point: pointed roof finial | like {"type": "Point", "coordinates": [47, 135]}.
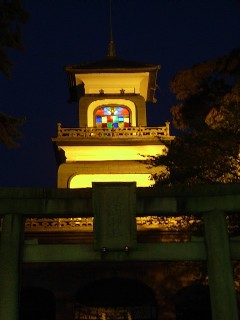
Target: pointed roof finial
{"type": "Point", "coordinates": [111, 47]}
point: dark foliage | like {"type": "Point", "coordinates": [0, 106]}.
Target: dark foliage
{"type": "Point", "coordinates": [9, 131]}
{"type": "Point", "coordinates": [12, 17]}
{"type": "Point", "coordinates": [208, 113]}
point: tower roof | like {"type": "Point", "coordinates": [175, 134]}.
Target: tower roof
{"type": "Point", "coordinates": [113, 65]}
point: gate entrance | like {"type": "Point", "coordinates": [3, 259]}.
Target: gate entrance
{"type": "Point", "coordinates": [116, 298]}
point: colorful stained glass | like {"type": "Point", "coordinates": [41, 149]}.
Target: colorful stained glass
{"type": "Point", "coordinates": [104, 119]}
{"type": "Point", "coordinates": [100, 112]}
{"type": "Point", "coordinates": [121, 119]}
{"type": "Point", "coordinates": [107, 111]}
{"type": "Point", "coordinates": [112, 117]}
{"type": "Point", "coordinates": [98, 119]}
{"type": "Point", "coordinates": [124, 111]}
{"type": "Point", "coordinates": [115, 119]}
{"type": "Point", "coordinates": [118, 111]}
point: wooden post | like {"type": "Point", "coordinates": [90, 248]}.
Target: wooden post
{"type": "Point", "coordinates": [222, 291]}
{"type": "Point", "coordinates": [10, 259]}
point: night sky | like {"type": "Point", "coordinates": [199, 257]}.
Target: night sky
{"type": "Point", "coordinates": [173, 33]}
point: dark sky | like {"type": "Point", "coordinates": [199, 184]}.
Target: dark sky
{"type": "Point", "coordinates": [173, 33]}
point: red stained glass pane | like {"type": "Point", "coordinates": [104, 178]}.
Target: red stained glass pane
{"type": "Point", "coordinates": [100, 112]}
{"type": "Point", "coordinates": [124, 111]}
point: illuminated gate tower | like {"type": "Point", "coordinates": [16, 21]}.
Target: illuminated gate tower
{"type": "Point", "coordinates": [112, 139]}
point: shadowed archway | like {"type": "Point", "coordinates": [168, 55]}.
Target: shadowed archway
{"type": "Point", "coordinates": [193, 302]}
{"type": "Point", "coordinates": [37, 303]}
{"type": "Point", "coordinates": [117, 298]}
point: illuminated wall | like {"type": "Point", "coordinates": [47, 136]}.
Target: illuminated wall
{"type": "Point", "coordinates": [110, 153]}
{"type": "Point", "coordinates": [85, 180]}
{"type": "Point", "coordinates": [113, 83]}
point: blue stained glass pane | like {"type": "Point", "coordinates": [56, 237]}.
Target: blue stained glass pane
{"type": "Point", "coordinates": [115, 125]}
{"type": "Point", "coordinates": [120, 119]}
{"type": "Point", "coordinates": [98, 119]}
{"type": "Point", "coordinates": [107, 111]}
{"type": "Point", "coordinates": [117, 110]}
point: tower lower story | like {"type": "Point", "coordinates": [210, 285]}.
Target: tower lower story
{"type": "Point", "coordinates": [91, 154]}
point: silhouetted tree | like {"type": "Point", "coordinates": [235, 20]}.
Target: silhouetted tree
{"type": "Point", "coordinates": [9, 131]}
{"type": "Point", "coordinates": [208, 114]}
{"type": "Point", "coordinates": [12, 17]}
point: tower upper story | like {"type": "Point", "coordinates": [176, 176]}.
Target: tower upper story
{"type": "Point", "coordinates": [112, 87]}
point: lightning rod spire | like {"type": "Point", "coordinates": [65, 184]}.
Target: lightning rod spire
{"type": "Point", "coordinates": [111, 47]}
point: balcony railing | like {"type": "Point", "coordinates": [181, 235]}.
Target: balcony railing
{"type": "Point", "coordinates": [130, 132]}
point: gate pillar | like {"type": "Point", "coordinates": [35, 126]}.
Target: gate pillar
{"type": "Point", "coordinates": [10, 260]}
{"type": "Point", "coordinates": [221, 283]}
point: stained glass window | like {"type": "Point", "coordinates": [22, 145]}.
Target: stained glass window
{"type": "Point", "coordinates": [112, 117]}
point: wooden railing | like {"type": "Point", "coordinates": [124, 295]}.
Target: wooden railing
{"type": "Point", "coordinates": [130, 132]}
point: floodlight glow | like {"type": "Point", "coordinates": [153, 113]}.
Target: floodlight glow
{"type": "Point", "coordinates": [85, 180]}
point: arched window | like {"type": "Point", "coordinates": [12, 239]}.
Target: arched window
{"type": "Point", "coordinates": [112, 116]}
